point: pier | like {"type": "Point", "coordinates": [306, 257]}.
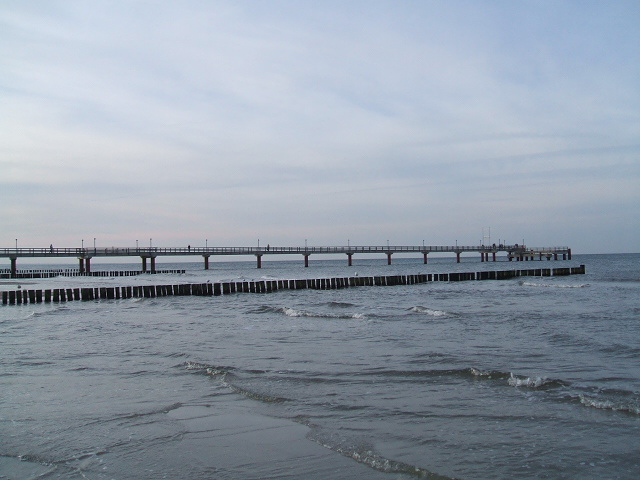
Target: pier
{"type": "Point", "coordinates": [149, 254]}
{"type": "Point", "coordinates": [56, 295]}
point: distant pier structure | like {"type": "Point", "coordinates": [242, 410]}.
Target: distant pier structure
{"type": "Point", "coordinates": [149, 254]}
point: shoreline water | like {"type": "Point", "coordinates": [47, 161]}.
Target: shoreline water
{"type": "Point", "coordinates": [531, 377]}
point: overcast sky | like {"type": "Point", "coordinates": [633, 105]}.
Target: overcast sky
{"type": "Point", "coordinates": [330, 121]}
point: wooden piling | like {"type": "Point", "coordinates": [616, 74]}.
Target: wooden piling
{"type": "Point", "coordinates": [267, 286]}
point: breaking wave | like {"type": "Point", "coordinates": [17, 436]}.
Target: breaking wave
{"type": "Point", "coordinates": [366, 455]}
{"type": "Point", "coordinates": [232, 382]}
{"type": "Point", "coordinates": [429, 311]}
{"type": "Point", "coordinates": [551, 285]}
{"type": "Point", "coordinates": [293, 312]}
{"type": "Point", "coordinates": [534, 382]}
{"type": "Point", "coordinates": [617, 401]}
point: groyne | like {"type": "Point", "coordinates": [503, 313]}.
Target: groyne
{"type": "Point", "coordinates": [74, 272]}
{"type": "Point", "coordinates": [26, 296]}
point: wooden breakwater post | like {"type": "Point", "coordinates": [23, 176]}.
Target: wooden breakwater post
{"type": "Point", "coordinates": [52, 273]}
{"type": "Point", "coordinates": [56, 295]}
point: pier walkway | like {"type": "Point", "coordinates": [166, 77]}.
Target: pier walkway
{"type": "Point", "coordinates": [84, 255]}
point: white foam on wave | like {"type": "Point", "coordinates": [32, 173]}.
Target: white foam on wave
{"type": "Point", "coordinates": [372, 459]}
{"type": "Point", "coordinates": [476, 372]}
{"type": "Point", "coordinates": [552, 285]}
{"type": "Point", "coordinates": [202, 367]}
{"type": "Point", "coordinates": [528, 382]}
{"type": "Point", "coordinates": [292, 312]}
{"type": "Point", "coordinates": [195, 366]}
{"type": "Point", "coordinates": [428, 311]}
{"type": "Point", "coordinates": [607, 404]}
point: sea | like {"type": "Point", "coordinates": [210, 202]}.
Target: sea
{"type": "Point", "coordinates": [525, 378]}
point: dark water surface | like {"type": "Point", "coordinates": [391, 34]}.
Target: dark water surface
{"type": "Point", "coordinates": [524, 378]}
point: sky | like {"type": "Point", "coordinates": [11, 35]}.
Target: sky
{"type": "Point", "coordinates": [229, 123]}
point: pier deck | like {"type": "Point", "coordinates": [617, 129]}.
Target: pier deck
{"type": "Point", "coordinates": [84, 255]}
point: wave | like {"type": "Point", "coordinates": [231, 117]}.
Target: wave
{"type": "Point", "coordinates": [622, 401]}
{"type": "Point", "coordinates": [232, 382]}
{"type": "Point", "coordinates": [292, 312]}
{"type": "Point", "coordinates": [621, 279]}
{"type": "Point", "coordinates": [429, 311]}
{"type": "Point", "coordinates": [366, 455]}
{"type": "Point", "coordinates": [616, 400]}
{"type": "Point", "coordinates": [552, 285]}
{"type": "Point", "coordinates": [614, 404]}
{"type": "Point", "coordinates": [471, 373]}
{"type": "Point", "coordinates": [534, 382]}
{"type": "Point", "coordinates": [340, 304]}
{"type": "Point", "coordinates": [206, 369]}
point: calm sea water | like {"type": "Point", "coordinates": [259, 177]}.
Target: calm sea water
{"type": "Point", "coordinates": [524, 378]}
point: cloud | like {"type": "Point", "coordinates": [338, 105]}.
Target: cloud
{"type": "Point", "coordinates": [299, 119]}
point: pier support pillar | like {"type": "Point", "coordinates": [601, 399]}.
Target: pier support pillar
{"type": "Point", "coordinates": [494, 256]}
{"type": "Point", "coordinates": [482, 256]}
{"type": "Point", "coordinates": [457, 257]}
{"type": "Point", "coordinates": [564, 256]}
{"type": "Point", "coordinates": [144, 264]}
{"type": "Point", "coordinates": [555, 256]}
{"type": "Point", "coordinates": [14, 266]}
{"type": "Point", "coordinates": [569, 253]}
{"type": "Point", "coordinates": [350, 257]}
{"type": "Point", "coordinates": [306, 260]}
{"type": "Point", "coordinates": [87, 265]}
{"type": "Point", "coordinates": [153, 264]}
{"type": "Point", "coordinates": [389, 258]}
{"type": "Point", "coordinates": [206, 262]}
{"type": "Point", "coordinates": [424, 255]}
{"type": "Point", "coordinates": [81, 264]}
{"type": "Point", "coordinates": [258, 261]}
